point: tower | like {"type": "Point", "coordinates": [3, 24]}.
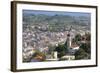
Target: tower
{"type": "Point", "coordinates": [68, 40]}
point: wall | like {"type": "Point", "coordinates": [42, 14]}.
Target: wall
{"type": "Point", "coordinates": [5, 37]}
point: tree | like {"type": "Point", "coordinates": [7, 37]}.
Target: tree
{"type": "Point", "coordinates": [38, 56]}
{"type": "Point", "coordinates": [78, 37]}
{"type": "Point", "coordinates": [86, 47]}
{"type": "Point", "coordinates": [81, 54]}
{"type": "Point", "coordinates": [61, 49]}
{"type": "Point", "coordinates": [88, 36]}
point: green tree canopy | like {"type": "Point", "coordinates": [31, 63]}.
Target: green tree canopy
{"type": "Point", "coordinates": [61, 49]}
{"type": "Point", "coordinates": [86, 47]}
{"type": "Point", "coordinates": [78, 37]}
{"type": "Point", "coordinates": [81, 54]}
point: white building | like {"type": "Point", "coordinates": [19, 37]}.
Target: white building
{"type": "Point", "coordinates": [68, 57]}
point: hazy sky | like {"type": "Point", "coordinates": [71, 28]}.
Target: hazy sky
{"type": "Point", "coordinates": [55, 12]}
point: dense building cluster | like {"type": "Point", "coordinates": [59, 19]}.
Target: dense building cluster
{"type": "Point", "coordinates": [39, 38]}
{"type": "Point", "coordinates": [41, 33]}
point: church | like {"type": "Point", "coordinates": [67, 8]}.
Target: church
{"type": "Point", "coordinates": [71, 49]}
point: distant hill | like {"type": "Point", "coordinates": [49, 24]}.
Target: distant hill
{"type": "Point", "coordinates": [57, 21]}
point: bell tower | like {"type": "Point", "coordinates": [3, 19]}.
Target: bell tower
{"type": "Point", "coordinates": [68, 40]}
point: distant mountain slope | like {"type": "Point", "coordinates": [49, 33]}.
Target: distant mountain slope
{"type": "Point", "coordinates": [57, 21]}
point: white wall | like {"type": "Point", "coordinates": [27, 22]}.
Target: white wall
{"type": "Point", "coordinates": [5, 37]}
